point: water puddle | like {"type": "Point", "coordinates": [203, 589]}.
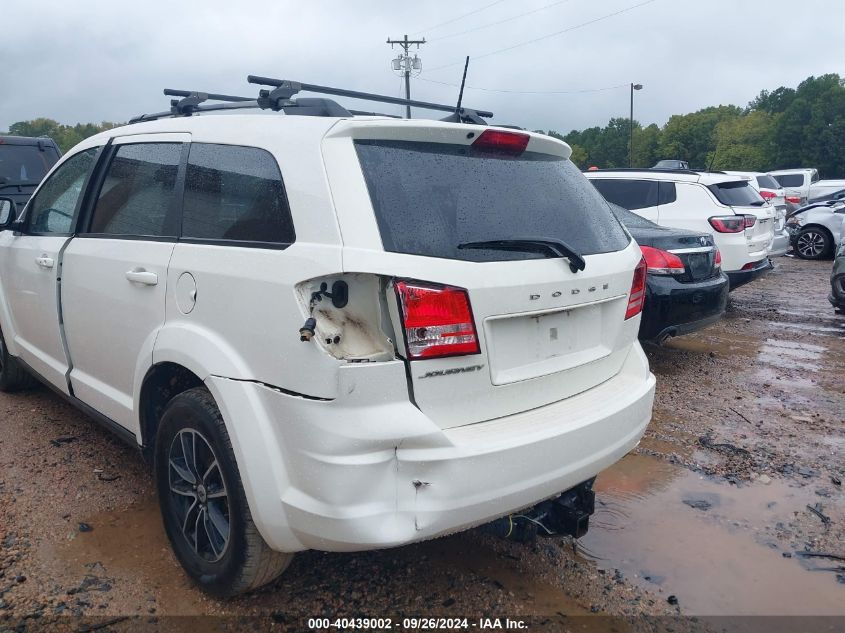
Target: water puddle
{"type": "Point", "coordinates": [812, 329]}
{"type": "Point", "coordinates": [782, 353]}
{"type": "Point", "coordinates": [711, 544]}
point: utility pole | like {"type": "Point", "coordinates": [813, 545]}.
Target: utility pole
{"type": "Point", "coordinates": [631, 121]}
{"type": "Point", "coordinates": [405, 64]}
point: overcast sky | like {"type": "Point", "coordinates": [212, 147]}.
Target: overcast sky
{"type": "Point", "coordinates": [90, 61]}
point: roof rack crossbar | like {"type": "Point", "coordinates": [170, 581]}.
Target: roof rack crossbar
{"type": "Point", "coordinates": [285, 89]}
{"type": "Point", "coordinates": [169, 92]}
{"type": "Point", "coordinates": [212, 107]}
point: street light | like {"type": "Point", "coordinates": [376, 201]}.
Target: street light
{"type": "Point", "coordinates": [631, 120]}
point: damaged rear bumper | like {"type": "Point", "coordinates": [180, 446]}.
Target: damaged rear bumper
{"type": "Point", "coordinates": [349, 474]}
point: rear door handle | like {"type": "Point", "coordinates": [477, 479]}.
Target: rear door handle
{"type": "Point", "coordinates": [45, 262]}
{"type": "Point", "coordinates": [141, 276]}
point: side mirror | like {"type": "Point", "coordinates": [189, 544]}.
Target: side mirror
{"type": "Point", "coordinates": [8, 213]}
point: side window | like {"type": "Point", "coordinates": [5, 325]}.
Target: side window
{"type": "Point", "coordinates": [53, 209]}
{"type": "Point", "coordinates": [235, 193]}
{"type": "Point", "coordinates": [137, 194]}
{"type": "Point", "coordinates": [628, 194]}
{"type": "Point", "coordinates": [666, 193]}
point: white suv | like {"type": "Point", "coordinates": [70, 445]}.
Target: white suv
{"type": "Point", "coordinates": [775, 195]}
{"type": "Point", "coordinates": [332, 332]}
{"type": "Point", "coordinates": [727, 206]}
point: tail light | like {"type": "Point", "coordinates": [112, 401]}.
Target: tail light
{"type": "Point", "coordinates": [768, 195]}
{"type": "Point", "coordinates": [662, 262]}
{"type": "Point", "coordinates": [437, 320]}
{"type": "Point", "coordinates": [793, 199]}
{"type": "Point", "coordinates": [637, 297]}
{"type": "Point", "coordinates": [728, 223]}
{"type": "Point", "coordinates": [502, 142]}
{"type": "Point", "coordinates": [750, 220]}
{"type": "Point", "coordinates": [718, 261]}
{"type": "Point", "coordinates": [751, 265]}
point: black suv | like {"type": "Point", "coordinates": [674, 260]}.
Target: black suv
{"type": "Point", "coordinates": [23, 163]}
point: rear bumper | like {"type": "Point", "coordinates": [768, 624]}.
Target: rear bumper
{"type": "Point", "coordinates": [781, 243]}
{"type": "Point", "coordinates": [673, 308]}
{"type": "Point", "coordinates": [741, 277]}
{"type": "Point", "coordinates": [371, 471]}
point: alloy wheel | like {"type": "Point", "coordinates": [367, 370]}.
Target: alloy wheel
{"type": "Point", "coordinates": [199, 495]}
{"type": "Point", "coordinates": [811, 244]}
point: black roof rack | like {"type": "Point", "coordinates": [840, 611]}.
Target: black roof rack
{"type": "Point", "coordinates": [280, 98]}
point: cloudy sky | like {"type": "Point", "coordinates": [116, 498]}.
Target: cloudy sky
{"type": "Point", "coordinates": [90, 60]}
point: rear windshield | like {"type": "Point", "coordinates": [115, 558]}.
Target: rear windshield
{"type": "Point", "coordinates": [430, 197]}
{"type": "Point", "coordinates": [767, 182]}
{"type": "Point", "coordinates": [790, 180]}
{"type": "Point", "coordinates": [738, 194]}
{"type": "Point", "coordinates": [25, 164]}
{"type": "Point", "coordinates": [631, 220]}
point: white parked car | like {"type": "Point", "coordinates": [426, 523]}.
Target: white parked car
{"type": "Point", "coordinates": [728, 206]}
{"type": "Point", "coordinates": [797, 183]}
{"type": "Point", "coordinates": [332, 332]}
{"type": "Point", "coordinates": [775, 195]}
{"type": "Point", "coordinates": [817, 229]}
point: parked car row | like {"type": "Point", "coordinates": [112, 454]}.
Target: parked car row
{"type": "Point", "coordinates": [726, 206]}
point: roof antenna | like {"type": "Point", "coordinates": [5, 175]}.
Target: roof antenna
{"type": "Point", "coordinates": [713, 158]}
{"type": "Point", "coordinates": [461, 93]}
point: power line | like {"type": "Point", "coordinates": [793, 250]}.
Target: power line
{"type": "Point", "coordinates": [485, 26]}
{"type": "Point", "coordinates": [460, 17]}
{"type": "Point", "coordinates": [545, 37]}
{"type": "Point", "coordinates": [527, 92]}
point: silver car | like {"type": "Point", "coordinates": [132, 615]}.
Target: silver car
{"type": "Point", "coordinates": [817, 229]}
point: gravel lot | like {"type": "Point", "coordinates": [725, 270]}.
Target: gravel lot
{"type": "Point", "coordinates": [738, 479]}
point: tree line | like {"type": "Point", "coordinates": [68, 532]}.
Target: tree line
{"type": "Point", "coordinates": [787, 127]}
{"type": "Point", "coordinates": [66, 136]}
{"type": "Point", "coordinates": [784, 128]}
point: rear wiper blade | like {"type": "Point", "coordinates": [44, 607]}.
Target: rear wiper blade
{"type": "Point", "coordinates": [554, 248]}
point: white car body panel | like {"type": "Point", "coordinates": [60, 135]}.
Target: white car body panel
{"type": "Point", "coordinates": [30, 297]}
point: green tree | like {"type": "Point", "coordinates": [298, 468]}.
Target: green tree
{"type": "Point", "coordinates": [691, 137]}
{"type": "Point", "coordinates": [646, 145]}
{"type": "Point", "coordinates": [745, 143]}
{"type": "Point", "coordinates": [66, 136]}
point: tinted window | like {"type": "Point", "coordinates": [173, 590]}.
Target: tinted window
{"type": "Point", "coordinates": [628, 194]}
{"type": "Point", "coordinates": [25, 164]}
{"type": "Point", "coordinates": [54, 207]}
{"type": "Point", "coordinates": [738, 193]}
{"type": "Point", "coordinates": [138, 191]}
{"type": "Point", "coordinates": [235, 193]}
{"type": "Point", "coordinates": [767, 182]}
{"type": "Point", "coordinates": [430, 197]}
{"type": "Point", "coordinates": [790, 180]}
{"type": "Point", "coordinates": [666, 193]}
{"type": "Point", "coordinates": [631, 220]}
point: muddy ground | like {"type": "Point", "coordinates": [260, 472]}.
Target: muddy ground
{"type": "Point", "coordinates": [732, 504]}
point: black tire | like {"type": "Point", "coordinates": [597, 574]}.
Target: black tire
{"type": "Point", "coordinates": [13, 377]}
{"type": "Point", "coordinates": [227, 556]}
{"type": "Point", "coordinates": [813, 242]}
